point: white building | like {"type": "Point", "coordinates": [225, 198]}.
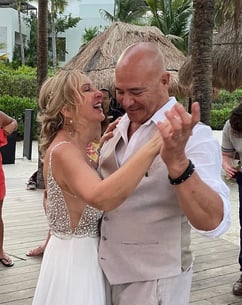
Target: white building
{"type": "Point", "coordinates": [9, 30]}
{"type": "Point", "coordinates": [87, 10]}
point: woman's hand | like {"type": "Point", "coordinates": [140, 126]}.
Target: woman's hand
{"type": "Point", "coordinates": [108, 134]}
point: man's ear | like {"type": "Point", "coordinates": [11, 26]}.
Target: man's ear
{"type": "Point", "coordinates": [165, 78]}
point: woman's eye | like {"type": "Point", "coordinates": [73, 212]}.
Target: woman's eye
{"type": "Point", "coordinates": [86, 88]}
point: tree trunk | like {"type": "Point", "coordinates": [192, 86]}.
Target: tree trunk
{"type": "Point", "coordinates": [53, 40]}
{"type": "Point", "coordinates": [20, 34]}
{"type": "Point", "coordinates": [202, 40]}
{"type": "Point", "coordinates": [42, 65]}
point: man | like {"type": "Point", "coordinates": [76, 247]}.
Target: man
{"type": "Point", "coordinates": [145, 243]}
{"type": "Point", "coordinates": [232, 157]}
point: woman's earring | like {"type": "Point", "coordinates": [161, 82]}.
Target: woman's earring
{"type": "Point", "coordinates": [71, 128]}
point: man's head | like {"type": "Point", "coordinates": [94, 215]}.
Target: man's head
{"type": "Point", "coordinates": [141, 81]}
{"type": "Point", "coordinates": [107, 96]}
{"type": "Point", "coordinates": [236, 119]}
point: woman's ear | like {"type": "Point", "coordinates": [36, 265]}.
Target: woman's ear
{"type": "Point", "coordinates": [66, 112]}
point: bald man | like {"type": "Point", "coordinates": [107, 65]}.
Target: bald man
{"type": "Point", "coordinates": [145, 243]}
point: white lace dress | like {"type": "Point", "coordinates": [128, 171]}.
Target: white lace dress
{"type": "Point", "coordinates": [70, 273]}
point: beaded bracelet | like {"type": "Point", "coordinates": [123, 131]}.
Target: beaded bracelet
{"type": "Point", "coordinates": [187, 173]}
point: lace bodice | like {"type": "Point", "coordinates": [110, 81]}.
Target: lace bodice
{"type": "Point", "coordinates": [58, 214]}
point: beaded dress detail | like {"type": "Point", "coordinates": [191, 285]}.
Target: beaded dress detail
{"type": "Point", "coordinates": [70, 273]}
{"type": "Point", "coordinates": [57, 212]}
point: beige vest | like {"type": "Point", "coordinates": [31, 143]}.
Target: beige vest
{"type": "Point", "coordinates": [148, 236]}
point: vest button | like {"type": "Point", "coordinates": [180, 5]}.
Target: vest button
{"type": "Point", "coordinates": [104, 238]}
{"type": "Point", "coordinates": [105, 218]}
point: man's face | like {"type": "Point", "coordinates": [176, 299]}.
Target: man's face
{"type": "Point", "coordinates": [105, 101]}
{"type": "Point", "coordinates": [141, 94]}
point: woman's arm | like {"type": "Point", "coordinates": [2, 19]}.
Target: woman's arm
{"type": "Point", "coordinates": [78, 178]}
{"type": "Point", "coordinates": [8, 124]}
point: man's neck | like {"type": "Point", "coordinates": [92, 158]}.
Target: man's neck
{"type": "Point", "coordinates": [132, 128]}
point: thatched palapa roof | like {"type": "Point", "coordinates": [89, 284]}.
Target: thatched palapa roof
{"type": "Point", "coordinates": [98, 58]}
{"type": "Point", "coordinates": [226, 60]}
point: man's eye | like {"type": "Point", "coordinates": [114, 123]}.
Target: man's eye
{"type": "Point", "coordinates": [137, 92]}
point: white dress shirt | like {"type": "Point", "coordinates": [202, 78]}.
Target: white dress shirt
{"type": "Point", "coordinates": [202, 148]}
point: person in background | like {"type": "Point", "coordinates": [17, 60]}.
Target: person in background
{"type": "Point", "coordinates": [232, 156]}
{"type": "Point", "coordinates": [111, 108]}
{"type": "Point", "coordinates": [106, 100]}
{"type": "Point", "coordinates": [7, 126]}
{"type": "Point", "coordinates": [71, 114]}
{"type": "Point", "coordinates": [32, 182]}
{"type": "Point", "coordinates": [145, 243]}
{"type": "Point", "coordinates": [115, 110]}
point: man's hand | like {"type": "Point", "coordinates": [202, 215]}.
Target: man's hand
{"type": "Point", "coordinates": [175, 131]}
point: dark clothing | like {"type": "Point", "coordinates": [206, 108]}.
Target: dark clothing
{"type": "Point", "coordinates": [115, 110]}
{"type": "Point", "coordinates": [239, 181]}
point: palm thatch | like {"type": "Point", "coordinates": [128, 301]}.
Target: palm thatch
{"type": "Point", "coordinates": [226, 60]}
{"type": "Point", "coordinates": [98, 58]}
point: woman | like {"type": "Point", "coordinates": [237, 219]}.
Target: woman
{"type": "Point", "coordinates": [231, 148]}
{"type": "Point", "coordinates": [76, 196]}
{"type": "Point", "coordinates": [7, 126]}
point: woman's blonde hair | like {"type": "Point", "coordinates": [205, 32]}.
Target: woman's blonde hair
{"type": "Point", "coordinates": [61, 90]}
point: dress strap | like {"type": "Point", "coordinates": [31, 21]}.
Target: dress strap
{"type": "Point", "coordinates": [53, 148]}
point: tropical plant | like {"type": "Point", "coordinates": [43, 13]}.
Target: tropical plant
{"type": "Point", "coordinates": [129, 11]}
{"type": "Point", "coordinates": [90, 33]}
{"type": "Point", "coordinates": [172, 17]}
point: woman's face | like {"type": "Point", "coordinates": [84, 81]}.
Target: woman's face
{"type": "Point", "coordinates": [91, 109]}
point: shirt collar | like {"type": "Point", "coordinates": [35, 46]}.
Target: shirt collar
{"type": "Point", "coordinates": [158, 116]}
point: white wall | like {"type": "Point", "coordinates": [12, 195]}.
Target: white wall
{"type": "Point", "coordinates": [9, 22]}
{"type": "Point", "coordinates": [88, 10]}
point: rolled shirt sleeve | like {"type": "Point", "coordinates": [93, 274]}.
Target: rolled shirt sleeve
{"type": "Point", "coordinates": [205, 152]}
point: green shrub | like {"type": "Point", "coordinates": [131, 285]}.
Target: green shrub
{"type": "Point", "coordinates": [227, 99]}
{"type": "Point", "coordinates": [219, 117]}
{"type": "Point", "coordinates": [15, 107]}
{"type": "Point", "coordinates": [222, 105]}
{"type": "Point", "coordinates": [18, 85]}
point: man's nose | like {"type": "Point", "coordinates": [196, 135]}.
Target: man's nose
{"type": "Point", "coordinates": [127, 100]}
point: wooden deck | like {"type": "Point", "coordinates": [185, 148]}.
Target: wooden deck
{"type": "Point", "coordinates": [215, 267]}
